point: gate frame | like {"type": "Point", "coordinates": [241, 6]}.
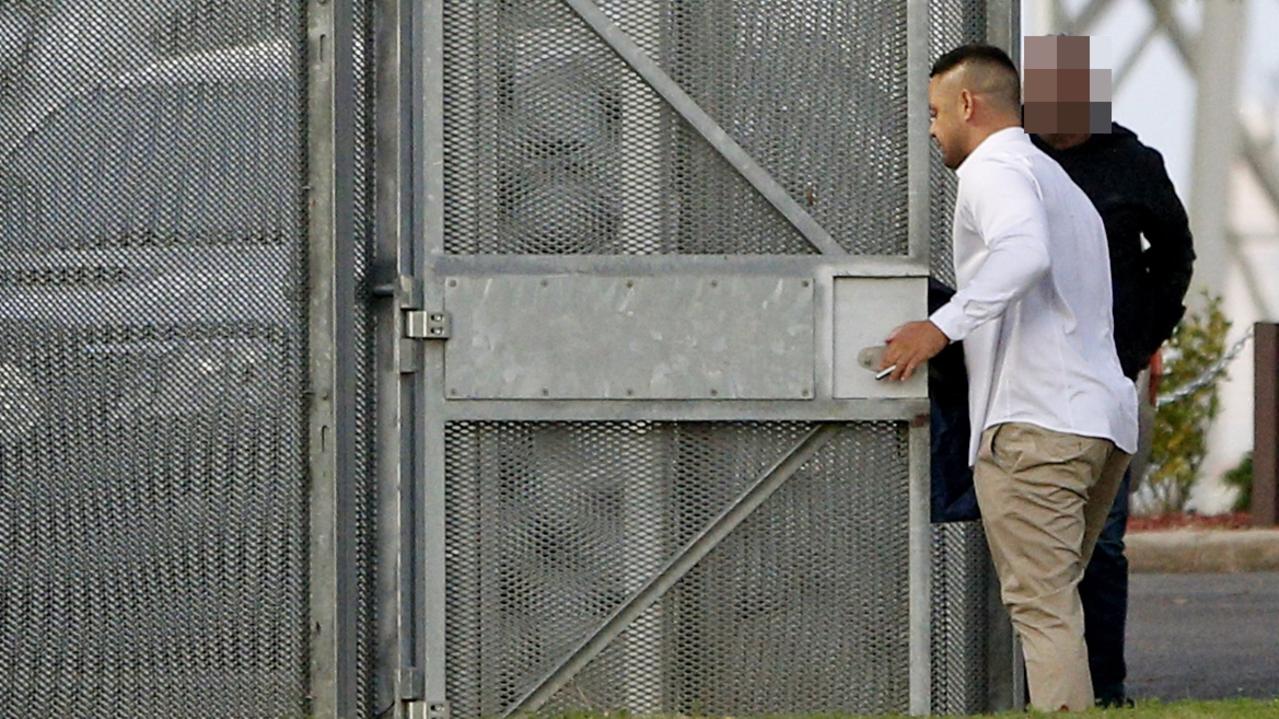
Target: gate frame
{"type": "Point", "coordinates": [422, 585]}
{"type": "Point", "coordinates": [331, 357]}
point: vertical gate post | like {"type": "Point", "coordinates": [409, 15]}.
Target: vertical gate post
{"type": "Point", "coordinates": [331, 391]}
{"type": "Point", "coordinates": [918, 64]}
{"type": "Point", "coordinates": [1265, 457]}
{"type": "Point", "coordinates": [428, 409]}
{"type": "Point", "coordinates": [396, 671]}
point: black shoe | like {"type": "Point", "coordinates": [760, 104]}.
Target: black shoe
{"type": "Point", "coordinates": [1119, 702]}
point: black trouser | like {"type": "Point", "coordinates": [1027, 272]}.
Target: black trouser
{"type": "Point", "coordinates": [1104, 593]}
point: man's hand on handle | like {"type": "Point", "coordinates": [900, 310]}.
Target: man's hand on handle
{"type": "Point", "coordinates": [911, 345]}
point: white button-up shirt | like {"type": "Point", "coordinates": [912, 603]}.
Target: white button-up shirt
{"type": "Point", "coordinates": [1034, 300]}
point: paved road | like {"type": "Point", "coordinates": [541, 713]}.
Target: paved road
{"type": "Point", "coordinates": [1206, 636]}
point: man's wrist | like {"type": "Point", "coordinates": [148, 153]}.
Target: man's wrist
{"type": "Point", "coordinates": [947, 320]}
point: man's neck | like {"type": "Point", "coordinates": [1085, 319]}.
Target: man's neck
{"type": "Point", "coordinates": [980, 134]}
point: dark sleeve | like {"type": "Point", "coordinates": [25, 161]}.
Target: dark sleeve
{"type": "Point", "coordinates": [1171, 255]}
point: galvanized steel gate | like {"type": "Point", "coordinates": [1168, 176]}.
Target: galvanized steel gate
{"type": "Point", "coordinates": [657, 235]}
{"type": "Point", "coordinates": [468, 357]}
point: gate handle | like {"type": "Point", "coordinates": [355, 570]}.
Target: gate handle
{"type": "Point", "coordinates": [870, 357]}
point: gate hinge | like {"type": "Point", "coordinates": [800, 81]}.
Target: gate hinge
{"type": "Point", "coordinates": [406, 290]}
{"type": "Point", "coordinates": [427, 325]}
{"type": "Point", "coordinates": [419, 323]}
{"type": "Point", "coordinates": [438, 709]}
{"type": "Point", "coordinates": [412, 683]}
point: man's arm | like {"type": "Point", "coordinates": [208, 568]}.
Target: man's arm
{"type": "Point", "coordinates": [1170, 257]}
{"type": "Point", "coordinates": [1006, 206]}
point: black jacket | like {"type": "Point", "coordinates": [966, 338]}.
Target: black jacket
{"type": "Point", "coordinates": [953, 498]}
{"type": "Point", "coordinates": [1129, 186]}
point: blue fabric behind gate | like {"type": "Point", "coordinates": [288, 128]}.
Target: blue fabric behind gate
{"type": "Point", "coordinates": [953, 498]}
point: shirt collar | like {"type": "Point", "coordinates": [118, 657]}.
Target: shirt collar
{"type": "Point", "coordinates": [992, 143]}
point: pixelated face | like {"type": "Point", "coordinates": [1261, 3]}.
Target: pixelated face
{"type": "Point", "coordinates": [946, 117]}
{"type": "Point", "coordinates": [1064, 97]}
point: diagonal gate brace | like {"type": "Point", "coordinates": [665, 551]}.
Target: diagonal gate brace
{"type": "Point", "coordinates": [725, 145]}
{"type": "Point", "coordinates": [679, 565]}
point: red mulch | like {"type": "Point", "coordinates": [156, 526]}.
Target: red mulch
{"type": "Point", "coordinates": [1182, 520]}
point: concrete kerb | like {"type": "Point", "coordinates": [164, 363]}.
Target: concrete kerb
{"type": "Point", "coordinates": [1203, 551]}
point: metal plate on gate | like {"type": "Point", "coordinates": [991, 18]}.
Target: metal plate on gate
{"type": "Point", "coordinates": [866, 310]}
{"type": "Point", "coordinates": [592, 337]}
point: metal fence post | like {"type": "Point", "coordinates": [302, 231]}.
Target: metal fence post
{"type": "Point", "coordinates": [1265, 457]}
{"type": "Point", "coordinates": [331, 405]}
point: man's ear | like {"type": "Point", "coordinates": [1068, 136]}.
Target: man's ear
{"type": "Point", "coordinates": [965, 104]}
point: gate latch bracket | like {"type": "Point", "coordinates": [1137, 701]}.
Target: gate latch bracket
{"type": "Point", "coordinates": [427, 325]}
{"type": "Point", "coordinates": [419, 323]}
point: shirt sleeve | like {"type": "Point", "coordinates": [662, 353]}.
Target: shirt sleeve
{"type": "Point", "coordinates": [1006, 207]}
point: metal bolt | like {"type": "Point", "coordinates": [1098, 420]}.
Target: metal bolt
{"type": "Point", "coordinates": [630, 392]}
{"type": "Point", "coordinates": [546, 283]}
{"type": "Point", "coordinates": [714, 283]}
{"type": "Point", "coordinates": [436, 330]}
{"type": "Point", "coordinates": [437, 318]}
{"type": "Point", "coordinates": [630, 283]}
{"type": "Point", "coordinates": [804, 283]}
{"type": "Point", "coordinates": [453, 392]}
{"type": "Point", "coordinates": [452, 283]}
{"type": "Point", "coordinates": [546, 392]}
{"type": "Point", "coordinates": [804, 393]}
{"type": "Point", "coordinates": [714, 393]}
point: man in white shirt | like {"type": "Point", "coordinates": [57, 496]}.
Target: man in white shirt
{"type": "Point", "coordinates": [1054, 418]}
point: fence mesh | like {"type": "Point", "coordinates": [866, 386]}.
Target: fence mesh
{"type": "Point", "coordinates": [553, 145]}
{"type": "Point", "coordinates": [551, 525]}
{"type": "Point", "coordinates": [951, 23]}
{"type": "Point", "coordinates": [960, 619]}
{"type": "Point", "coordinates": [153, 504]}
{"type": "Point", "coordinates": [372, 696]}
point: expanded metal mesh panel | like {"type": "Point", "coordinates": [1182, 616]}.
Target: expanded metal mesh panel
{"type": "Point", "coordinates": [960, 619]}
{"type": "Point", "coordinates": [814, 90]}
{"type": "Point", "coordinates": [553, 145]}
{"type": "Point", "coordinates": [952, 23]}
{"type": "Point", "coordinates": [550, 526]}
{"type": "Point", "coordinates": [153, 508]}
{"type": "Point", "coordinates": [365, 226]}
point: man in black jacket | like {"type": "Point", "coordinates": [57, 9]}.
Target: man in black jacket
{"type": "Point", "coordinates": [1130, 188]}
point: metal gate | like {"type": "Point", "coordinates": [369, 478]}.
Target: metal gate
{"type": "Point", "coordinates": [169, 295]}
{"type": "Point", "coordinates": [656, 238]}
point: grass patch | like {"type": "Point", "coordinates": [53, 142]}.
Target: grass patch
{"type": "Point", "coordinates": [1152, 709]}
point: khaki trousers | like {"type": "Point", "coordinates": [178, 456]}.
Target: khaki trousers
{"type": "Point", "coordinates": [1044, 497]}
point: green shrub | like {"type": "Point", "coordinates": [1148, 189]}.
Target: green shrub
{"type": "Point", "coordinates": [1241, 479]}
{"type": "Point", "coordinates": [1181, 427]}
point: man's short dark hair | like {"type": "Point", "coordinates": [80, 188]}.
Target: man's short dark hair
{"type": "Point", "coordinates": [987, 57]}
